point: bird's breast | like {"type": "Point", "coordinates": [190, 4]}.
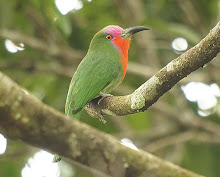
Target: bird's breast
{"type": "Point", "coordinates": [123, 46]}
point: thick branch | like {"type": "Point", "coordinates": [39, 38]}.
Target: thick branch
{"type": "Point", "coordinates": [162, 81]}
{"type": "Point", "coordinates": [26, 118]}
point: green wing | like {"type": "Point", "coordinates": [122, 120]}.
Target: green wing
{"type": "Point", "coordinates": [90, 78]}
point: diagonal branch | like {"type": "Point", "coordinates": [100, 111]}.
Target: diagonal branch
{"type": "Point", "coordinates": [149, 92]}
{"type": "Point", "coordinates": [24, 117]}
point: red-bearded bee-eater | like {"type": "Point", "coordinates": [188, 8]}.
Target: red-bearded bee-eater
{"type": "Point", "coordinates": [101, 70]}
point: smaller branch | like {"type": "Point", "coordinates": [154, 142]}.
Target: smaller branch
{"type": "Point", "coordinates": [146, 71]}
{"type": "Point", "coordinates": [34, 66]}
{"type": "Point", "coordinates": [68, 54]}
{"type": "Point", "coordinates": [187, 119]}
{"type": "Point", "coordinates": [150, 135]}
{"type": "Point", "coordinates": [170, 140]}
{"type": "Point", "coordinates": [181, 138]}
{"type": "Point", "coordinates": [207, 138]}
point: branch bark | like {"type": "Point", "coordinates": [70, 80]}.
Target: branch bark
{"type": "Point", "coordinates": [26, 118]}
{"type": "Point", "coordinates": [149, 92]}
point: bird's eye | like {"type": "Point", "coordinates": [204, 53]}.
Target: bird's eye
{"type": "Point", "coordinates": [109, 37]}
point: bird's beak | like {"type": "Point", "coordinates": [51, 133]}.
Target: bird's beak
{"type": "Point", "coordinates": [128, 32]}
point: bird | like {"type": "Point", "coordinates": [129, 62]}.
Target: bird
{"type": "Point", "coordinates": [101, 70]}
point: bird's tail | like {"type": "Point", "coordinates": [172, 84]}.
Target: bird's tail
{"type": "Point", "coordinates": [76, 115]}
{"type": "Point", "coordinates": [72, 113]}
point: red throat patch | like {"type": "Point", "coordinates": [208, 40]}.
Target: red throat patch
{"type": "Point", "coordinates": [123, 46]}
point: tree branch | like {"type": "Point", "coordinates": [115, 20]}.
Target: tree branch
{"type": "Point", "coordinates": [25, 117]}
{"type": "Point", "coordinates": [149, 92]}
{"type": "Point", "coordinates": [68, 54]}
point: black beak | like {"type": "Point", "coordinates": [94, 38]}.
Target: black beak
{"type": "Point", "coordinates": [128, 32]}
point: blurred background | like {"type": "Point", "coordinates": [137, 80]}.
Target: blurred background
{"type": "Point", "coordinates": [42, 42]}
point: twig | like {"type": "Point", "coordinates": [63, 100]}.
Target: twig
{"type": "Point", "coordinates": [34, 66]}
{"type": "Point", "coordinates": [188, 120]}
{"type": "Point", "coordinates": [68, 54]}
{"type": "Point", "coordinates": [170, 140]}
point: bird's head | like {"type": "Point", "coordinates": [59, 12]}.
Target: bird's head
{"type": "Point", "coordinates": [117, 36]}
{"type": "Point", "coordinates": [114, 41]}
{"type": "Point", "coordinates": [116, 31]}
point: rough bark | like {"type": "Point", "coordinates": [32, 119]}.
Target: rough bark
{"type": "Point", "coordinates": [24, 117]}
{"type": "Point", "coordinates": [149, 92]}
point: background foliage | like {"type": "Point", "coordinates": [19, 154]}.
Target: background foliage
{"type": "Point", "coordinates": [54, 44]}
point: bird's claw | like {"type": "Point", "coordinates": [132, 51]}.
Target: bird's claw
{"type": "Point", "coordinates": [94, 112]}
{"type": "Point", "coordinates": [102, 119]}
{"type": "Point", "coordinates": [93, 109]}
{"type": "Point", "coordinates": [103, 95]}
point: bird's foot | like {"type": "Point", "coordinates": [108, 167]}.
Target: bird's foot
{"type": "Point", "coordinates": [102, 119]}
{"type": "Point", "coordinates": [93, 110]}
{"type": "Point", "coordinates": [103, 95]}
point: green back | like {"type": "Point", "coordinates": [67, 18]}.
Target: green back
{"type": "Point", "coordinates": [100, 70]}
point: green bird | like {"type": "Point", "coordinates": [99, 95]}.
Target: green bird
{"type": "Point", "coordinates": [102, 69]}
